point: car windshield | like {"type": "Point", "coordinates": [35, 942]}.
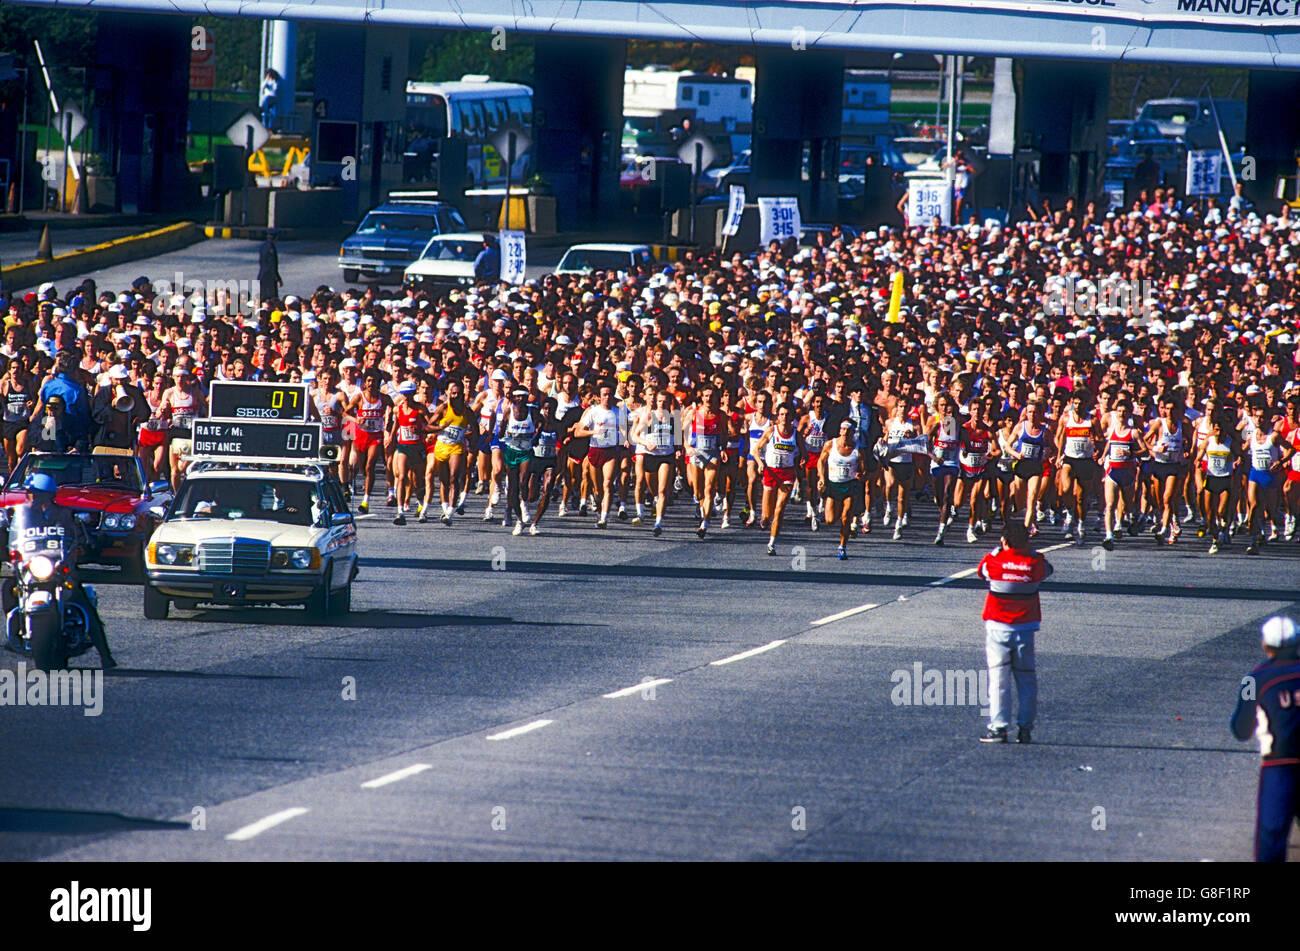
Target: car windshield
{"type": "Point", "coordinates": [381, 222]}
{"type": "Point", "coordinates": [452, 250]}
{"type": "Point", "coordinates": [112, 471]}
{"type": "Point", "coordinates": [270, 500]}
{"type": "Point", "coordinates": [590, 259]}
{"type": "Point", "coordinates": [1180, 114]}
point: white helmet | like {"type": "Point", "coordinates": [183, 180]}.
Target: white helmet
{"type": "Point", "coordinates": [1279, 631]}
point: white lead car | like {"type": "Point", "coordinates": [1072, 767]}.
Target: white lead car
{"type": "Point", "coordinates": [254, 533]}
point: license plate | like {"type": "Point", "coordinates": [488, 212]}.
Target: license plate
{"type": "Point", "coordinates": [382, 269]}
{"type": "Point", "coordinates": [228, 589]}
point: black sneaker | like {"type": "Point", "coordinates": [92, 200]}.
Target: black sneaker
{"type": "Point", "coordinates": [399, 520]}
{"type": "Point", "coordinates": [1022, 735]}
{"type": "Point", "coordinates": [994, 736]}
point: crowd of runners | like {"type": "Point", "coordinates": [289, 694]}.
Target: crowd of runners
{"type": "Point", "coordinates": [1008, 383]}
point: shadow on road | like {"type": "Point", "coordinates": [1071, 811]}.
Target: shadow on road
{"type": "Point", "coordinates": [67, 822]}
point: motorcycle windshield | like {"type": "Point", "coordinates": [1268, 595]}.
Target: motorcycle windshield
{"type": "Point", "coordinates": [34, 532]}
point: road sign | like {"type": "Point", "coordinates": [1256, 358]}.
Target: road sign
{"type": "Point", "coordinates": [203, 63]}
{"type": "Point", "coordinates": [240, 400]}
{"type": "Point", "coordinates": [697, 144]}
{"type": "Point", "coordinates": [778, 219]}
{"type": "Point", "coordinates": [514, 257]}
{"type": "Point", "coordinates": [70, 113]}
{"type": "Point", "coordinates": [501, 141]}
{"type": "Point", "coordinates": [735, 210]}
{"type": "Point", "coordinates": [238, 132]}
{"type": "Point", "coordinates": [1204, 172]}
{"type": "Point", "coordinates": [265, 440]}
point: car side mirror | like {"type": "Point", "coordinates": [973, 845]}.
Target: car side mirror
{"type": "Point", "coordinates": [158, 511]}
{"type": "Point", "coordinates": [340, 518]}
{"type": "Point", "coordinates": [159, 487]}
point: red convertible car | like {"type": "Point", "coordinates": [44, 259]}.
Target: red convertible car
{"type": "Point", "coordinates": [107, 493]}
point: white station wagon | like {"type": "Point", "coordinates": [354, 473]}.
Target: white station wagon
{"type": "Point", "coordinates": [254, 533]}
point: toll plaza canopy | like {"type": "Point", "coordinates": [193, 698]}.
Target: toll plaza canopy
{"type": "Point", "coordinates": [1246, 33]}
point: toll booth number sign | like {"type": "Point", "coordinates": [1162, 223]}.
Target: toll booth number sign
{"type": "Point", "coordinates": [258, 401]}
{"type": "Point", "coordinates": [219, 437]}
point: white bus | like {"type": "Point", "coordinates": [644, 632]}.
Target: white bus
{"type": "Point", "coordinates": [473, 109]}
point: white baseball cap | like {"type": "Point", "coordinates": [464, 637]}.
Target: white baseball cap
{"type": "Point", "coordinates": [1279, 631]}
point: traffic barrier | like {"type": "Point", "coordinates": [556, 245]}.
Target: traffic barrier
{"type": "Point", "coordinates": [31, 274]}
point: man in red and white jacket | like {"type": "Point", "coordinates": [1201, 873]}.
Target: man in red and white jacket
{"type": "Point", "coordinates": [1011, 618]}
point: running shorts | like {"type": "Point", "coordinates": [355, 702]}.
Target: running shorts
{"type": "Point", "coordinates": [598, 456]}
{"type": "Point", "coordinates": [1263, 478]}
{"type": "Point", "coordinates": [1122, 477]}
{"type": "Point", "coordinates": [443, 451]}
{"type": "Point", "coordinates": [844, 490]}
{"type": "Point", "coordinates": [1084, 470]}
{"type": "Point", "coordinates": [364, 440]}
{"type": "Point", "coordinates": [1028, 468]}
{"type": "Point", "coordinates": [411, 451]}
{"type": "Point", "coordinates": [652, 462]}
{"type": "Point", "coordinates": [1217, 484]}
{"type": "Point", "coordinates": [514, 458]}
{"type": "Point", "coordinates": [775, 478]}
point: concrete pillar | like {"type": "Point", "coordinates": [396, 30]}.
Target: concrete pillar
{"type": "Point", "coordinates": [798, 105]}
{"type": "Point", "coordinates": [1062, 113]}
{"type": "Point", "coordinates": [360, 80]}
{"type": "Point", "coordinates": [1272, 131]}
{"type": "Point", "coordinates": [283, 58]}
{"type": "Point", "coordinates": [578, 114]}
{"type": "Point", "coordinates": [140, 71]}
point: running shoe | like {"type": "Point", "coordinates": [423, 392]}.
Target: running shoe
{"type": "Point", "coordinates": [970, 535]}
{"type": "Point", "coordinates": [480, 489]}
{"type": "Point", "coordinates": [519, 528]}
{"type": "Point", "coordinates": [446, 518]}
{"type": "Point", "coordinates": [460, 508]}
{"type": "Point", "coordinates": [1214, 547]}
{"type": "Point", "coordinates": [1272, 534]}
{"type": "Point", "coordinates": [726, 520]}
{"type": "Point", "coordinates": [1253, 547]}
{"type": "Point", "coordinates": [866, 525]}
{"type": "Point", "coordinates": [505, 522]}
{"type": "Point", "coordinates": [938, 538]}
{"type": "Point", "coordinates": [841, 554]}
{"type": "Point", "coordinates": [564, 509]}
{"type": "Point", "coordinates": [992, 735]}
{"type": "Point", "coordinates": [1022, 735]}
{"type": "Point", "coordinates": [636, 519]}
{"type": "Point", "coordinates": [906, 516]}
{"type": "Point", "coordinates": [400, 519]}
{"type": "Point", "coordinates": [392, 500]}
{"type": "Point", "coordinates": [423, 516]}
{"type": "Point", "coordinates": [601, 522]}
{"type": "Point", "coordinates": [1033, 530]}
{"type": "Point", "coordinates": [898, 532]}
{"type": "Point", "coordinates": [659, 529]}
{"type": "Point", "coordinates": [750, 520]}
{"type": "Point", "coordinates": [771, 548]}
{"type": "Point", "coordinates": [1080, 535]}
{"type": "Point", "coordinates": [678, 484]}
{"type": "Point", "coordinates": [622, 512]}
{"type": "Point", "coordinates": [1133, 528]}
{"type": "Point", "coordinates": [812, 523]}
{"type": "Point", "coordinates": [582, 509]}
{"type": "Point", "coordinates": [534, 530]}
{"type": "Point", "coordinates": [889, 513]}
{"type": "Point", "coordinates": [487, 513]}
{"type": "Point", "coordinates": [363, 507]}
{"type": "Point", "coordinates": [523, 509]}
{"type": "Point", "coordinates": [1107, 543]}
{"type": "Point", "coordinates": [703, 529]}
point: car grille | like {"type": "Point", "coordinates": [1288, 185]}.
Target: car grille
{"type": "Point", "coordinates": [384, 254]}
{"type": "Point", "coordinates": [231, 555]}
{"type": "Point", "coordinates": [89, 518]}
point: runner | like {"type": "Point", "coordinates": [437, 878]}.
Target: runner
{"type": "Point", "coordinates": [19, 398]}
{"type": "Point", "coordinates": [490, 406]}
{"type": "Point", "coordinates": [1122, 447]}
{"type": "Point", "coordinates": [452, 417]}
{"type": "Point", "coordinates": [542, 472]}
{"type": "Point", "coordinates": [709, 431]}
{"type": "Point", "coordinates": [1077, 436]}
{"type": "Point", "coordinates": [370, 408]}
{"type": "Point", "coordinates": [944, 434]}
{"type": "Point", "coordinates": [406, 425]}
{"type": "Point", "coordinates": [180, 405]}
{"type": "Point", "coordinates": [840, 477]}
{"type": "Point", "coordinates": [1168, 437]}
{"type": "Point", "coordinates": [900, 469]}
{"type": "Point", "coordinates": [656, 433]}
{"type": "Point", "coordinates": [780, 448]}
{"type": "Point", "coordinates": [812, 427]}
{"type": "Point", "coordinates": [1029, 446]}
{"type": "Point", "coordinates": [1267, 455]}
{"type": "Point", "coordinates": [1217, 454]}
{"type": "Point", "coordinates": [600, 424]}
{"type": "Point", "coordinates": [517, 433]}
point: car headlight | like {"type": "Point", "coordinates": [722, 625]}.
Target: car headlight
{"type": "Point", "coordinates": [164, 554]}
{"type": "Point", "coordinates": [118, 522]}
{"type": "Point", "coordinates": [42, 568]}
{"type": "Point", "coordinates": [301, 557]}
{"type": "Point", "coordinates": [280, 558]}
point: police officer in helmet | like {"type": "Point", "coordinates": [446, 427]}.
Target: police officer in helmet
{"type": "Point", "coordinates": [39, 511]}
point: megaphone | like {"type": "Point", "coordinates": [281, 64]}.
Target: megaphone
{"type": "Point", "coordinates": [124, 402]}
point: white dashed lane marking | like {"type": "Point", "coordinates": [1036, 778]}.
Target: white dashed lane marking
{"type": "Point", "coordinates": [261, 825]}
{"type": "Point", "coordinates": [637, 688]}
{"type": "Point", "coordinates": [520, 730]}
{"type": "Point", "coordinates": [396, 776]}
{"type": "Point", "coordinates": [753, 652]}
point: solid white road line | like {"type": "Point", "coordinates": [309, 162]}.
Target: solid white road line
{"type": "Point", "coordinates": [637, 688]}
{"type": "Point", "coordinates": [749, 653]}
{"type": "Point", "coordinates": [1057, 547]}
{"type": "Point", "coordinates": [843, 614]}
{"type": "Point", "coordinates": [395, 776]}
{"type": "Point", "coordinates": [520, 730]}
{"type": "Point", "coordinates": [953, 577]}
{"type": "Point", "coordinates": [261, 825]}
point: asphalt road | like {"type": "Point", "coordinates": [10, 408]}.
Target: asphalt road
{"type": "Point", "coordinates": [589, 694]}
{"type": "Point", "coordinates": [304, 266]}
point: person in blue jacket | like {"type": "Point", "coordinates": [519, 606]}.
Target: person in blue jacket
{"type": "Point", "coordinates": [1268, 706]}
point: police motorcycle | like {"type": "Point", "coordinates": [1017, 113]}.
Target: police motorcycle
{"type": "Point", "coordinates": [44, 618]}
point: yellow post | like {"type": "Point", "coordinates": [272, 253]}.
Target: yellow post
{"type": "Point", "coordinates": [895, 299]}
